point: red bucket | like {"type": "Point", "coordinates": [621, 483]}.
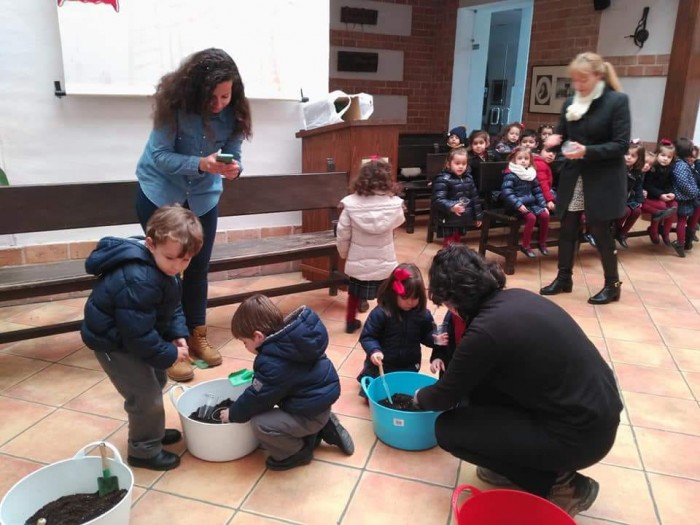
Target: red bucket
{"type": "Point", "coordinates": [505, 507]}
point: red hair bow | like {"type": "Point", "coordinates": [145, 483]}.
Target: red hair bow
{"type": "Point", "coordinates": [400, 275]}
{"type": "Point", "coordinates": [665, 142]}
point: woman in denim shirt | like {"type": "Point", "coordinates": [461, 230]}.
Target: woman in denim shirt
{"type": "Point", "coordinates": [200, 109]}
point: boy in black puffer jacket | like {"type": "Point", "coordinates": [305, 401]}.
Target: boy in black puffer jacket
{"type": "Point", "coordinates": [294, 386]}
{"type": "Point", "coordinates": [134, 323]}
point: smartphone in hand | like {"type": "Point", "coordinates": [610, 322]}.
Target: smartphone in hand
{"type": "Point", "coordinates": [226, 158]}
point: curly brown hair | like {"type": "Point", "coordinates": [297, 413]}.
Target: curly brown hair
{"type": "Point", "coordinates": [189, 88]}
{"type": "Point", "coordinates": [375, 178]}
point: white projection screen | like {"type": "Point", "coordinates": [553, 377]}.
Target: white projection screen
{"type": "Point", "coordinates": [280, 46]}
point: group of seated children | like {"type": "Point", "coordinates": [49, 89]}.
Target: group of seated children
{"type": "Point", "coordinates": [663, 184]}
{"type": "Point", "coordinates": [527, 183]}
{"type": "Point", "coordinates": [666, 187]}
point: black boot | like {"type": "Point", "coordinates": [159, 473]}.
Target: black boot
{"type": "Point", "coordinates": [562, 284]}
{"type": "Point", "coordinates": [609, 293]}
{"type": "Point", "coordinates": [688, 240]}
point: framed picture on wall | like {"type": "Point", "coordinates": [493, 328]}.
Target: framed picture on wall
{"type": "Point", "coordinates": [549, 87]}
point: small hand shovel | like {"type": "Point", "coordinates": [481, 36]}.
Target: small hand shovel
{"type": "Point", "coordinates": [240, 377]}
{"type": "Point", "coordinates": [386, 385]}
{"type": "Point", "coordinates": [107, 483]}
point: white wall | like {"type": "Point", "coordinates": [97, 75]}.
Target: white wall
{"type": "Point", "coordinates": [621, 19]}
{"type": "Point", "coordinates": [646, 96]}
{"type": "Point", "coordinates": [81, 138]}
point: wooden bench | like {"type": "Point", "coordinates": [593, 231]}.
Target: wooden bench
{"type": "Point", "coordinates": [54, 207]}
{"type": "Point", "coordinates": [418, 193]}
{"type": "Point", "coordinates": [490, 180]}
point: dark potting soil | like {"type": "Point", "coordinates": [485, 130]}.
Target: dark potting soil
{"type": "Point", "coordinates": [217, 410]}
{"type": "Point", "coordinates": [403, 402]}
{"type": "Point", "coordinates": [76, 508]}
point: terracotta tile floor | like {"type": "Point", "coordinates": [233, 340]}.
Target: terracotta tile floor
{"type": "Point", "coordinates": [54, 398]}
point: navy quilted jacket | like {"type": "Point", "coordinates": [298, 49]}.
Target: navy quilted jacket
{"type": "Point", "coordinates": [516, 192]}
{"type": "Point", "coordinates": [447, 189]}
{"type": "Point", "coordinates": [399, 339]}
{"type": "Point", "coordinates": [291, 371]}
{"type": "Point", "coordinates": [134, 307]}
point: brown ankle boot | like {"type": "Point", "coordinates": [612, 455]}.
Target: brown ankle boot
{"type": "Point", "coordinates": [181, 372]}
{"type": "Point", "coordinates": [200, 347]}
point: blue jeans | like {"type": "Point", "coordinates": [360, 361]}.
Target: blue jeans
{"type": "Point", "coordinates": [195, 283]}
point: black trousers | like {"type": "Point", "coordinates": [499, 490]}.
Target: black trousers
{"type": "Point", "coordinates": [515, 444]}
{"type": "Point", "coordinates": [568, 238]}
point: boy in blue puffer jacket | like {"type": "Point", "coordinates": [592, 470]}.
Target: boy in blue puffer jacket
{"type": "Point", "coordinates": [294, 383]}
{"type": "Point", "coordinates": [135, 324]}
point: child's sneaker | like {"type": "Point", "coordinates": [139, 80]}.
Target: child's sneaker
{"type": "Point", "coordinates": [335, 434]}
{"type": "Point", "coordinates": [575, 495]}
{"type": "Point", "coordinates": [303, 457]}
{"type": "Point", "coordinates": [352, 326]}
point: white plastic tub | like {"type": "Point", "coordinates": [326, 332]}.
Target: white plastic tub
{"type": "Point", "coordinates": [70, 476]}
{"type": "Point", "coordinates": [210, 442]}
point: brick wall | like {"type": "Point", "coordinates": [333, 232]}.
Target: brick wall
{"type": "Point", "coordinates": [47, 253]}
{"type": "Point", "coordinates": [560, 30]}
{"type": "Point", "coordinates": [428, 57]}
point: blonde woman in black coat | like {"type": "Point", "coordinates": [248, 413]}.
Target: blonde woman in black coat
{"type": "Point", "coordinates": [595, 128]}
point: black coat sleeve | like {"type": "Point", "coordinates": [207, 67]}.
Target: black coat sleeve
{"type": "Point", "coordinates": [621, 123]}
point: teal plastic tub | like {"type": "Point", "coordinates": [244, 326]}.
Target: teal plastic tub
{"type": "Point", "coordinates": [398, 428]}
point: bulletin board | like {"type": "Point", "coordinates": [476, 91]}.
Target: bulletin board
{"type": "Point", "coordinates": [280, 46]}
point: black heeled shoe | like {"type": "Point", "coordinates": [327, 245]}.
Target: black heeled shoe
{"type": "Point", "coordinates": [528, 252]}
{"type": "Point", "coordinates": [557, 286]}
{"type": "Point", "coordinates": [610, 292]}
{"type": "Point", "coordinates": [622, 240]}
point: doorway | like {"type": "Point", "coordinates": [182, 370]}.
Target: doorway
{"type": "Point", "coordinates": [492, 45]}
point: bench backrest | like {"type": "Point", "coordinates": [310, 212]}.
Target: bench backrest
{"type": "Point", "coordinates": [491, 176]}
{"type": "Point", "coordinates": [34, 208]}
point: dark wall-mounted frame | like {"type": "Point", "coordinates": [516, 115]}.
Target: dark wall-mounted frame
{"type": "Point", "coordinates": [358, 15]}
{"type": "Point", "coordinates": [358, 61]}
{"type": "Point", "coordinates": [549, 87]}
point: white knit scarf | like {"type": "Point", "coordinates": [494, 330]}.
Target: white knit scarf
{"type": "Point", "coordinates": [580, 105]}
{"type": "Point", "coordinates": [527, 174]}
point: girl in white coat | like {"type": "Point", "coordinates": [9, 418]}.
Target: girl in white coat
{"type": "Point", "coordinates": [366, 235]}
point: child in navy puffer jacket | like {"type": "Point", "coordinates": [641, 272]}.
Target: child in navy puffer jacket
{"type": "Point", "coordinates": [455, 199]}
{"type": "Point", "coordinates": [294, 383]}
{"type": "Point", "coordinates": [135, 324]}
{"type": "Point", "coordinates": [396, 328]}
{"type": "Point", "coordinates": [523, 196]}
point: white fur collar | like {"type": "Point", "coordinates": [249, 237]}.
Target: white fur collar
{"type": "Point", "coordinates": [580, 105]}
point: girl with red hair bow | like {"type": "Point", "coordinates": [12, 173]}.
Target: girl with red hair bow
{"type": "Point", "coordinates": [398, 325]}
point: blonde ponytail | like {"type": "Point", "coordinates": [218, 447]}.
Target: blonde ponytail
{"type": "Point", "coordinates": [593, 63]}
{"type": "Point", "coordinates": [611, 77]}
